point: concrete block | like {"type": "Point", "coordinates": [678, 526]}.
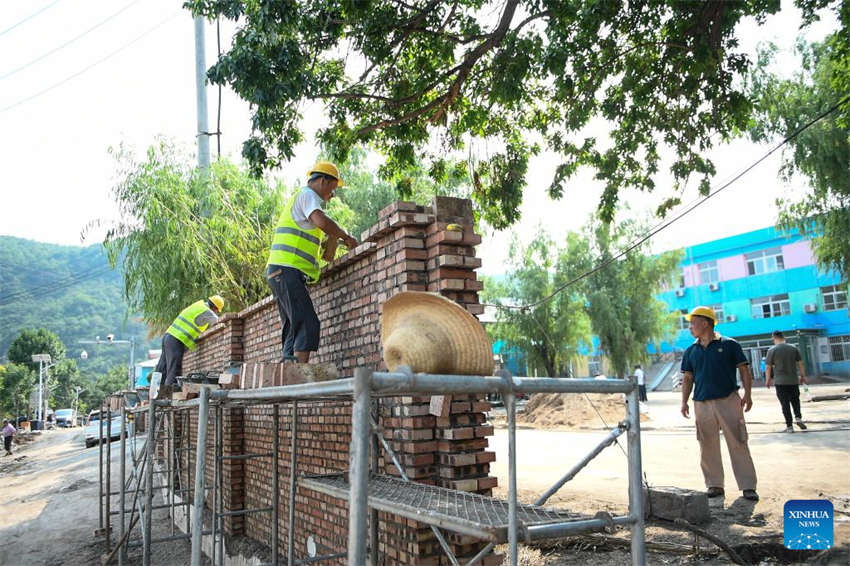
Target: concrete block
{"type": "Point", "coordinates": [294, 373]}
{"type": "Point", "coordinates": [228, 380]}
{"type": "Point", "coordinates": [441, 405]}
{"type": "Point", "coordinates": [672, 503]}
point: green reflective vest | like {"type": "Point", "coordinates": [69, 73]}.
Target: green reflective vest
{"type": "Point", "coordinates": [293, 246]}
{"type": "Point", "coordinates": [184, 327]}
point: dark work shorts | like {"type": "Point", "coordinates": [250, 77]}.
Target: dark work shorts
{"type": "Point", "coordinates": [299, 324]}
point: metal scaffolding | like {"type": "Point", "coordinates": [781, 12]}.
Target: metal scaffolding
{"type": "Point", "coordinates": [491, 520]}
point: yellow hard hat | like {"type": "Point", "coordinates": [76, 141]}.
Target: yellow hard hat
{"type": "Point", "coordinates": [707, 312]}
{"type": "Point", "coordinates": [218, 301]}
{"type": "Point", "coordinates": [326, 168]}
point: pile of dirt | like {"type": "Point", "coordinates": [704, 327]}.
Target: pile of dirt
{"type": "Point", "coordinates": [574, 410]}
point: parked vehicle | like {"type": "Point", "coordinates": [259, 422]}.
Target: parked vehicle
{"type": "Point", "coordinates": [66, 418]}
{"type": "Point", "coordinates": [92, 433]}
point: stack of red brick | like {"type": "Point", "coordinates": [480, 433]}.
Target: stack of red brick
{"type": "Point", "coordinates": [411, 248]}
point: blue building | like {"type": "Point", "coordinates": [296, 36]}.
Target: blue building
{"type": "Point", "coordinates": [762, 281]}
{"type": "Point", "coordinates": [144, 368]}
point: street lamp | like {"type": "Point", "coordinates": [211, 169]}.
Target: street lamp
{"type": "Point", "coordinates": [110, 339]}
{"type": "Point", "coordinates": [42, 359]}
{"type": "Point", "coordinates": [77, 390]}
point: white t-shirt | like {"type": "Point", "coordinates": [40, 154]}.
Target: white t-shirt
{"type": "Point", "coordinates": [305, 203]}
{"type": "Point", "coordinates": [639, 376]}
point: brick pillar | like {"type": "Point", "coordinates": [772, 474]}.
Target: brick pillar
{"type": "Point", "coordinates": [232, 471]}
{"type": "Point", "coordinates": [463, 462]}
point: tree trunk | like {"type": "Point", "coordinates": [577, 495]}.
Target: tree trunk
{"type": "Point", "coordinates": [550, 365]}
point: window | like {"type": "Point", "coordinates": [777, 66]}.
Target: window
{"type": "Point", "coordinates": [834, 297]}
{"type": "Point", "coordinates": [718, 311]}
{"type": "Point", "coordinates": [708, 272]}
{"type": "Point", "coordinates": [839, 347]}
{"type": "Point", "coordinates": [765, 261]}
{"type": "Point", "coordinates": [675, 281]}
{"type": "Point", "coordinates": [683, 322]}
{"type": "Point", "coordinates": [769, 307]}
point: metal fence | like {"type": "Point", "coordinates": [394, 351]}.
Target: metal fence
{"type": "Point", "coordinates": [367, 491]}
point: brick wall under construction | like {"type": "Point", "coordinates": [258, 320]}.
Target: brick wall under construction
{"type": "Point", "coordinates": [409, 249]}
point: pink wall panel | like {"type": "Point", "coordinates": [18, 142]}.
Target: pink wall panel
{"type": "Point", "coordinates": [797, 254]}
{"type": "Point", "coordinates": [733, 267]}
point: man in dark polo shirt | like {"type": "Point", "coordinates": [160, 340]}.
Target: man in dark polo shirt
{"type": "Point", "coordinates": [781, 365]}
{"type": "Point", "coordinates": [709, 368]}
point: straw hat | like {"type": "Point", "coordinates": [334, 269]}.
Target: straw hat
{"type": "Point", "coordinates": [433, 334]}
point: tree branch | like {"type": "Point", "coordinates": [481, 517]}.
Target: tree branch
{"type": "Point", "coordinates": [463, 69]}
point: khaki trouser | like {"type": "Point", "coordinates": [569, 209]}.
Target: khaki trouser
{"type": "Point", "coordinates": [727, 415]}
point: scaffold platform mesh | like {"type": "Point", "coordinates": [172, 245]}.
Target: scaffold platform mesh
{"type": "Point", "coordinates": [459, 511]}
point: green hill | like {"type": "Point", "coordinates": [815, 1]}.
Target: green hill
{"type": "Point", "coordinates": [72, 291]}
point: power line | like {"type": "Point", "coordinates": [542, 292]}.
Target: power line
{"type": "Point", "coordinates": [659, 227]}
{"type": "Point", "coordinates": [54, 287]}
{"type": "Point", "coordinates": [98, 62]}
{"type": "Point", "coordinates": [44, 286]}
{"type": "Point", "coordinates": [54, 290]}
{"type": "Point", "coordinates": [31, 16]}
{"type": "Point", "coordinates": [48, 289]}
{"type": "Point", "coordinates": [69, 42]}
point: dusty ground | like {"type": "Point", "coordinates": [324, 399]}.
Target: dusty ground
{"type": "Point", "coordinates": [49, 506]}
{"type": "Point", "coordinates": [559, 411]}
{"type": "Point", "coordinates": [803, 465]}
{"type": "Point", "coordinates": [49, 493]}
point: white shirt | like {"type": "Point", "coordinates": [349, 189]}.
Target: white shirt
{"type": "Point", "coordinates": [306, 202]}
{"type": "Point", "coordinates": [639, 376]}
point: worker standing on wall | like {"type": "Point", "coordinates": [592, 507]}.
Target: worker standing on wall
{"type": "Point", "coordinates": [183, 333]}
{"type": "Point", "coordinates": [294, 259]}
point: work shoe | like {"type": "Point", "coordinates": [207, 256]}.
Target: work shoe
{"type": "Point", "coordinates": [164, 392]}
{"type": "Point", "coordinates": [788, 428]}
{"type": "Point", "coordinates": [751, 495]}
{"type": "Point", "coordinates": [714, 492]}
{"type": "Point", "coordinates": [801, 424]}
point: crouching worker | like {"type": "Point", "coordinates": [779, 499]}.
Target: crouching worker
{"type": "Point", "coordinates": [183, 333]}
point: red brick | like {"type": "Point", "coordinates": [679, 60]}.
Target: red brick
{"type": "Point", "coordinates": [348, 299]}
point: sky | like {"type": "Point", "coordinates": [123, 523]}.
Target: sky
{"type": "Point", "coordinates": [78, 78]}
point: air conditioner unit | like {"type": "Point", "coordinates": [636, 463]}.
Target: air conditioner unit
{"type": "Point", "coordinates": [731, 318]}
{"type": "Point", "coordinates": [713, 286]}
{"type": "Point", "coordinates": [810, 307]}
{"type": "Point", "coordinates": [680, 292]}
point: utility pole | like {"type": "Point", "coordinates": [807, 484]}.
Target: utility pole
{"type": "Point", "coordinates": [132, 369]}
{"type": "Point", "coordinates": [41, 359]}
{"type": "Point", "coordinates": [110, 339]}
{"type": "Point", "coordinates": [40, 373]}
{"type": "Point", "coordinates": [201, 83]}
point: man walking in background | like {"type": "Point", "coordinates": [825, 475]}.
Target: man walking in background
{"type": "Point", "coordinates": [781, 365]}
{"type": "Point", "coordinates": [8, 435]}
{"type": "Point", "coordinates": [294, 259]}
{"type": "Point", "coordinates": [709, 368]}
{"type": "Point", "coordinates": [641, 382]}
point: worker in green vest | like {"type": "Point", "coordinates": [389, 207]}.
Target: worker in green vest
{"type": "Point", "coordinates": [183, 333]}
{"type": "Point", "coordinates": [294, 257]}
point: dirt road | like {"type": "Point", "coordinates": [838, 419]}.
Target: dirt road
{"type": "Point", "coordinates": [49, 506]}
{"type": "Point", "coordinates": [802, 465]}
{"type": "Point", "coordinates": [49, 491]}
